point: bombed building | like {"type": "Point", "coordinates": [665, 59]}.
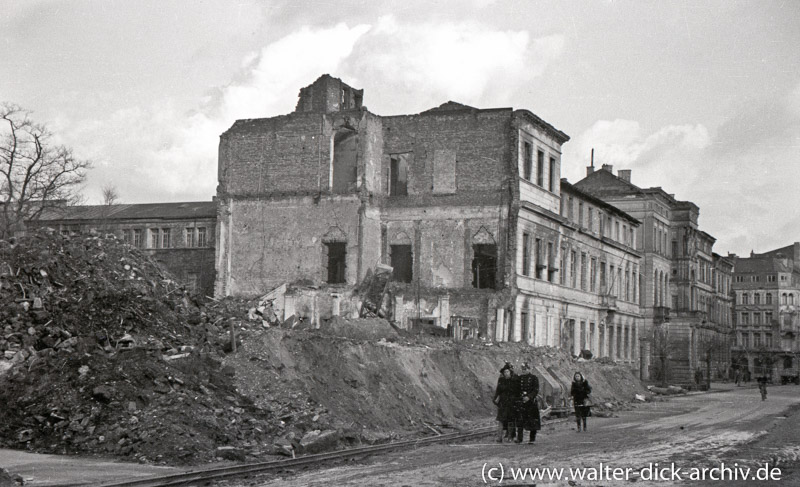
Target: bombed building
{"type": "Point", "coordinates": [464, 206]}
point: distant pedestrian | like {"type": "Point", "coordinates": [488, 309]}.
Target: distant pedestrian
{"type": "Point", "coordinates": [527, 407]}
{"type": "Point", "coordinates": [580, 392]}
{"type": "Point", "coordinates": [738, 378]}
{"type": "Point", "coordinates": [762, 387]}
{"type": "Point", "coordinates": [504, 400]}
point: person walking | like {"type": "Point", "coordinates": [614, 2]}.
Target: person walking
{"type": "Point", "coordinates": [580, 392]}
{"type": "Point", "coordinates": [762, 387]}
{"type": "Point", "coordinates": [738, 378]}
{"type": "Point", "coordinates": [504, 400]}
{"type": "Point", "coordinates": [527, 407]}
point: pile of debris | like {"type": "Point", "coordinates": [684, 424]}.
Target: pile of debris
{"type": "Point", "coordinates": [104, 352]}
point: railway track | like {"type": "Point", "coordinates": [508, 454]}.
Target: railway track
{"type": "Point", "coordinates": [211, 474]}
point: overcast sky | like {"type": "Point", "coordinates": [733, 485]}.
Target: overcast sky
{"type": "Point", "coordinates": [699, 97]}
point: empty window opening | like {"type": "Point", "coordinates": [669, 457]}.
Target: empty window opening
{"type": "Point", "coordinates": [553, 175]}
{"type": "Point", "coordinates": [540, 169]}
{"type": "Point", "coordinates": [345, 170]}
{"type": "Point", "coordinates": [484, 266]}
{"type": "Point", "coordinates": [337, 254]}
{"type": "Point", "coordinates": [402, 263]}
{"type": "Point", "coordinates": [398, 176]}
{"type": "Point", "coordinates": [527, 161]}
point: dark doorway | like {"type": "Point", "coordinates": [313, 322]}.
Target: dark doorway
{"type": "Point", "coordinates": [484, 266]}
{"type": "Point", "coordinates": [345, 158]}
{"type": "Point", "coordinates": [337, 254]}
{"type": "Point", "coordinates": [402, 262]}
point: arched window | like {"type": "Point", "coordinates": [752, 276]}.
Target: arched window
{"type": "Point", "coordinates": [745, 298]}
{"type": "Point", "coordinates": [783, 298]}
{"type": "Point", "coordinates": [791, 299]}
{"type": "Point", "coordinates": [768, 298]}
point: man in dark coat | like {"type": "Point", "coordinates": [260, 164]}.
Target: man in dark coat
{"type": "Point", "coordinates": [504, 395]}
{"type": "Point", "coordinates": [527, 407]}
{"type": "Point", "coordinates": [580, 391]}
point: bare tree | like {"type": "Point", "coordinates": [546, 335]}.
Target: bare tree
{"type": "Point", "coordinates": [110, 194]}
{"type": "Point", "coordinates": [713, 348]}
{"type": "Point", "coordinates": [663, 347]}
{"type": "Point", "coordinates": [35, 173]}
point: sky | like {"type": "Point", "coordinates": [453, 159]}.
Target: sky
{"type": "Point", "coordinates": [701, 98]}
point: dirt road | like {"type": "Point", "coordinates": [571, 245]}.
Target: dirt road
{"type": "Point", "coordinates": [726, 433]}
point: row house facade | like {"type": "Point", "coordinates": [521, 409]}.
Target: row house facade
{"type": "Point", "coordinates": [465, 205]}
{"type": "Point", "coordinates": [685, 298]}
{"type": "Point", "coordinates": [178, 235]}
{"type": "Point", "coordinates": [767, 313]}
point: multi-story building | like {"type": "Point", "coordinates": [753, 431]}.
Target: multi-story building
{"type": "Point", "coordinates": [767, 290]}
{"type": "Point", "coordinates": [685, 286]}
{"type": "Point", "coordinates": [178, 235]}
{"type": "Point", "coordinates": [466, 205]}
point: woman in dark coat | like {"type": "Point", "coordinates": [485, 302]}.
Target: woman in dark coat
{"type": "Point", "coordinates": [580, 391]}
{"type": "Point", "coordinates": [527, 408]}
{"type": "Point", "coordinates": [504, 400]}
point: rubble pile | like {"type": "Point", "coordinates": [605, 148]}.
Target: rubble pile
{"type": "Point", "coordinates": [103, 352]}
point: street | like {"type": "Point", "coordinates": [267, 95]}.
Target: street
{"type": "Point", "coordinates": [700, 434]}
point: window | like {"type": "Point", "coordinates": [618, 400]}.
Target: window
{"type": "Point", "coordinates": [540, 169]}
{"type": "Point", "coordinates": [572, 273]}
{"type": "Point", "coordinates": [580, 213]}
{"type": "Point", "coordinates": [602, 277]}
{"type": "Point", "coordinates": [166, 238]}
{"type": "Point", "coordinates": [756, 340]}
{"type": "Point", "coordinates": [570, 209]}
{"type": "Point", "coordinates": [617, 229]}
{"type": "Point", "coordinates": [768, 340]}
{"type": "Point", "coordinates": [783, 297]}
{"type": "Point", "coordinates": [745, 318]}
{"type": "Point", "coordinates": [768, 298]}
{"type": "Point", "coordinates": [756, 298]}
{"type": "Point", "coordinates": [126, 236]}
{"type": "Point", "coordinates": [398, 176]}
{"type": "Point", "coordinates": [344, 171]}
{"type": "Point", "coordinates": [402, 262]}
{"type": "Point", "coordinates": [484, 266]}
{"type": "Point", "coordinates": [632, 238]}
{"type": "Point", "coordinates": [527, 161]}
{"type": "Point", "coordinates": [538, 257]}
{"type": "Point", "coordinates": [590, 219]}
{"type": "Point", "coordinates": [757, 318]}
{"type": "Point", "coordinates": [201, 237]}
{"type": "Point", "coordinates": [337, 259]}
{"type": "Point", "coordinates": [563, 267]}
{"type": "Point", "coordinates": [137, 238]}
{"type": "Point", "coordinates": [791, 299]}
{"type": "Point", "coordinates": [745, 298]}
{"type": "Point", "coordinates": [601, 220]}
{"type": "Point", "coordinates": [188, 235]}
{"type": "Point", "coordinates": [768, 318]}
{"type": "Point", "coordinates": [583, 271]}
{"type": "Point", "coordinates": [526, 254]}
{"type": "Point", "coordinates": [553, 175]}
{"type": "Point", "coordinates": [154, 238]}
{"type": "Point", "coordinates": [551, 268]}
{"type": "Point", "coordinates": [593, 275]}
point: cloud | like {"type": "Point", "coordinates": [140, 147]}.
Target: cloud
{"type": "Point", "coordinates": [419, 66]}
{"type": "Point", "coordinates": [740, 175]}
{"type": "Point", "coordinates": [161, 152]}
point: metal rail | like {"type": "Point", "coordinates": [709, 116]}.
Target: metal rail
{"type": "Point", "coordinates": [261, 467]}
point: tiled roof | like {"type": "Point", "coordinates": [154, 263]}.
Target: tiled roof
{"type": "Point", "coordinates": [145, 211]}
{"type": "Point", "coordinates": [759, 264]}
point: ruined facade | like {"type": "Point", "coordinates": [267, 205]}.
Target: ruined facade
{"type": "Point", "coordinates": [178, 235]}
{"type": "Point", "coordinates": [464, 204]}
{"type": "Point", "coordinates": [686, 287]}
{"type": "Point", "coordinates": [767, 313]}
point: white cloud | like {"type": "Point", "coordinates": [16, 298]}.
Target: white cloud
{"type": "Point", "coordinates": [160, 153]}
{"type": "Point", "coordinates": [418, 66]}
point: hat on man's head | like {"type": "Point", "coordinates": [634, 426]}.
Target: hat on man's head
{"type": "Point", "coordinates": [507, 366]}
{"type": "Point", "coordinates": [526, 366]}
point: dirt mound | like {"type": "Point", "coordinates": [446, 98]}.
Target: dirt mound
{"type": "Point", "coordinates": [359, 328]}
{"type": "Point", "coordinates": [106, 353]}
{"type": "Point", "coordinates": [372, 390]}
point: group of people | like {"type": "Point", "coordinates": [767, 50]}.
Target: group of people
{"type": "Point", "coordinates": [519, 404]}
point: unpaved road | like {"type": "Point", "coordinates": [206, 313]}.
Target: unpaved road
{"type": "Point", "coordinates": [698, 431]}
{"type": "Point", "coordinates": [733, 427]}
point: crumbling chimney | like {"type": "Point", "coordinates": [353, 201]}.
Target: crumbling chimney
{"type": "Point", "coordinates": [624, 174]}
{"type": "Point", "coordinates": [590, 169]}
{"type": "Point", "coordinates": [608, 167]}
